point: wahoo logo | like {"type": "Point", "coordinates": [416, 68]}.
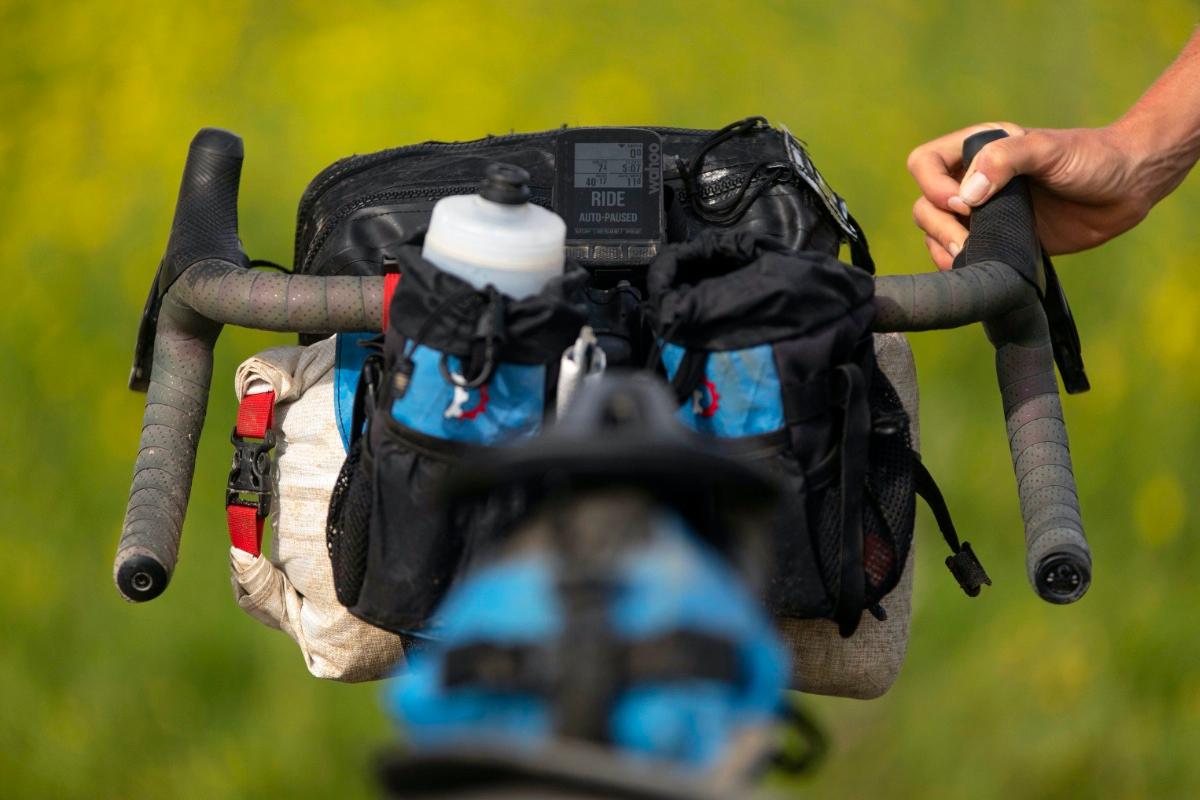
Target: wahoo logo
{"type": "Point", "coordinates": [705, 400]}
{"type": "Point", "coordinates": [467, 403]}
{"type": "Point", "coordinates": [654, 158]}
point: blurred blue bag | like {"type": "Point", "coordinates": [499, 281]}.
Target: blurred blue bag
{"type": "Point", "coordinates": [623, 610]}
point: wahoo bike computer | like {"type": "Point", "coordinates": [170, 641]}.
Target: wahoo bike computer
{"type": "Point", "coordinates": [609, 190]}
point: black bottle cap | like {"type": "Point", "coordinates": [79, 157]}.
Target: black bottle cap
{"type": "Point", "coordinates": [506, 184]}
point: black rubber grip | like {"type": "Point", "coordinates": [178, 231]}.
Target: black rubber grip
{"type": "Point", "coordinates": [1003, 228]}
{"type": "Point", "coordinates": [206, 221]}
{"type": "Point", "coordinates": [205, 226]}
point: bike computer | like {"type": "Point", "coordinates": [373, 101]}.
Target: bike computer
{"type": "Point", "coordinates": [610, 192]}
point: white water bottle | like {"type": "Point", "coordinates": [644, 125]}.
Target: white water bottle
{"type": "Point", "coordinates": [497, 237]}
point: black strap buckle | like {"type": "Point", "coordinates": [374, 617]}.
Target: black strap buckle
{"type": "Point", "coordinates": [250, 473]}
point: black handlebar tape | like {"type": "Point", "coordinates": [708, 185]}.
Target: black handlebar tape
{"type": "Point", "coordinates": [1058, 559]}
{"type": "Point", "coordinates": [212, 289]}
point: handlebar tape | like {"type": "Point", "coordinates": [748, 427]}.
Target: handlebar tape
{"type": "Point", "coordinates": [999, 278]}
{"type": "Point", "coordinates": [940, 300]}
{"type": "Point", "coordinates": [1058, 559]}
{"type": "Point", "coordinates": [208, 287]}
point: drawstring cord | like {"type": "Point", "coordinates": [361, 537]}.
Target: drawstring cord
{"type": "Point", "coordinates": [490, 324]}
{"type": "Point", "coordinates": [732, 209]}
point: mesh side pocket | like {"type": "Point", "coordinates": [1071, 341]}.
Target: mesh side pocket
{"type": "Point", "coordinates": [827, 525]}
{"type": "Point", "coordinates": [348, 524]}
{"type": "Point", "coordinates": [890, 507]}
{"type": "Point", "coordinates": [888, 502]}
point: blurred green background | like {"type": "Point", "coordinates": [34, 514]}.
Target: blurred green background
{"type": "Point", "coordinates": [1003, 696]}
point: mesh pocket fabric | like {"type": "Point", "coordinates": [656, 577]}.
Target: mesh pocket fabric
{"type": "Point", "coordinates": [889, 513]}
{"type": "Point", "coordinates": [349, 523]}
{"type": "Point", "coordinates": [889, 505]}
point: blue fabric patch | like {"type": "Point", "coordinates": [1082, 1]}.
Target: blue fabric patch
{"type": "Point", "coordinates": [739, 396]}
{"type": "Point", "coordinates": [507, 407]}
{"type": "Point", "coordinates": [348, 360]}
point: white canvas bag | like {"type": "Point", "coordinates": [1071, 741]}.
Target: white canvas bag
{"type": "Point", "coordinates": [292, 590]}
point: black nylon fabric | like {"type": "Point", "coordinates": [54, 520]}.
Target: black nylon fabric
{"type": "Point", "coordinates": [730, 291]}
{"type": "Point", "coordinates": [414, 547]}
{"type": "Point", "coordinates": [533, 330]}
{"type": "Point", "coordinates": [354, 215]}
{"type": "Point", "coordinates": [844, 422]}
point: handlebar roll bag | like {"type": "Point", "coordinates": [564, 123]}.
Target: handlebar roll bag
{"type": "Point", "coordinates": [293, 590]}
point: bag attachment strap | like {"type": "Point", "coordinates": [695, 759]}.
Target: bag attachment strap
{"type": "Point", "coordinates": [1064, 335]}
{"type": "Point", "coordinates": [851, 391]}
{"type": "Point", "coordinates": [964, 565]}
{"type": "Point", "coordinates": [248, 493]}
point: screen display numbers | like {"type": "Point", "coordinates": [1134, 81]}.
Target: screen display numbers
{"type": "Point", "coordinates": [604, 165]}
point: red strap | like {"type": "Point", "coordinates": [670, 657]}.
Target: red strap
{"type": "Point", "coordinates": [390, 281]}
{"type": "Point", "coordinates": [245, 528]}
{"type": "Point", "coordinates": [255, 416]}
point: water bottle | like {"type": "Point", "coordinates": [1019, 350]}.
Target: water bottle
{"type": "Point", "coordinates": [497, 237]}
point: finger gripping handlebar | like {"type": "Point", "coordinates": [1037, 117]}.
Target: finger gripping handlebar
{"type": "Point", "coordinates": [210, 288]}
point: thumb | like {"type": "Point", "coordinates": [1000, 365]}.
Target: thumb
{"type": "Point", "coordinates": [1002, 160]}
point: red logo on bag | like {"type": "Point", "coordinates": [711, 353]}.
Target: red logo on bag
{"type": "Point", "coordinates": [709, 392]}
{"type": "Point", "coordinates": [459, 409]}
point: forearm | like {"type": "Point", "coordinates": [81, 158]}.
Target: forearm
{"type": "Point", "coordinates": [1162, 129]}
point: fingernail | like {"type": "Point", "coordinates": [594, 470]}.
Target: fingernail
{"type": "Point", "coordinates": [958, 206]}
{"type": "Point", "coordinates": [974, 188]}
{"type": "Point", "coordinates": [953, 248]}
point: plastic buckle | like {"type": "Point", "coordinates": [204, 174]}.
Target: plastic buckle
{"type": "Point", "coordinates": [250, 473]}
{"type": "Point", "coordinates": [965, 567]}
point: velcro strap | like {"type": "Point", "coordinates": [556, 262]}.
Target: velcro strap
{"type": "Point", "coordinates": [856, 427]}
{"type": "Point", "coordinates": [689, 375]}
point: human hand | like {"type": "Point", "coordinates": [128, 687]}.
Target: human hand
{"type": "Point", "coordinates": [1086, 183]}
